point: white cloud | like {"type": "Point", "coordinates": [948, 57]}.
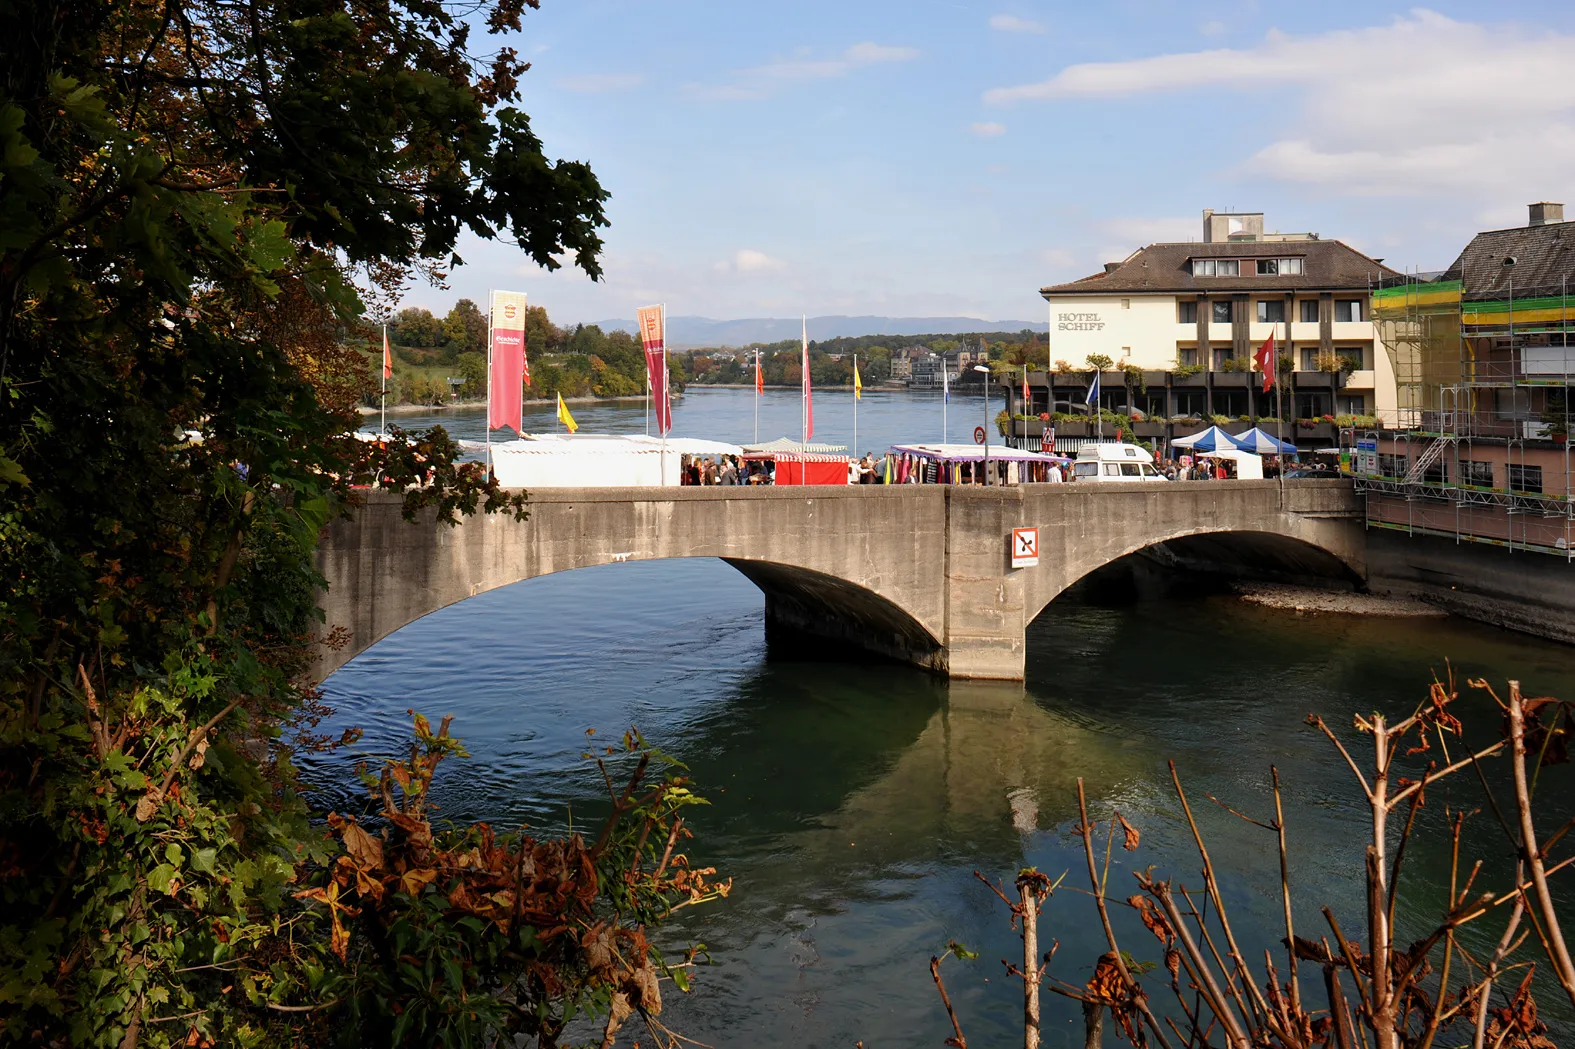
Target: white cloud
{"type": "Point", "coordinates": [988, 130]}
{"type": "Point", "coordinates": [1013, 24]}
{"type": "Point", "coordinates": [600, 83]}
{"type": "Point", "coordinates": [1424, 103]}
{"type": "Point", "coordinates": [761, 81]}
{"type": "Point", "coordinates": [1213, 27]}
{"type": "Point", "coordinates": [858, 55]}
{"type": "Point", "coordinates": [748, 260]}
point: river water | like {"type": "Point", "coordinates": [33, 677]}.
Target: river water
{"type": "Point", "coordinates": [852, 802]}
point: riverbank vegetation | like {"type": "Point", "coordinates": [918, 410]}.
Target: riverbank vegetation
{"type": "Point", "coordinates": [831, 360]}
{"type": "Point", "coordinates": [201, 200]}
{"type": "Point", "coordinates": [1405, 972]}
{"type": "Point", "coordinates": [441, 360]}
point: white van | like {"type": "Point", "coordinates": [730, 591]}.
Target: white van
{"type": "Point", "coordinates": [1107, 462]}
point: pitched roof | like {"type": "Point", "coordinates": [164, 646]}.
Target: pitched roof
{"type": "Point", "coordinates": [1544, 261]}
{"type": "Point", "coordinates": [1326, 264]}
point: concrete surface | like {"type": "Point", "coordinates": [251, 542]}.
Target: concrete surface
{"type": "Point", "coordinates": [918, 573]}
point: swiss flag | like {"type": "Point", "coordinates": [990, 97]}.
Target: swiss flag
{"type": "Point", "coordinates": [1266, 361]}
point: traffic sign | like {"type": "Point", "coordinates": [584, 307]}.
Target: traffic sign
{"type": "Point", "coordinates": [978, 435]}
{"type": "Point", "coordinates": [1025, 547]}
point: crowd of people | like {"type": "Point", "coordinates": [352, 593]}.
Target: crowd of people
{"type": "Point", "coordinates": [890, 468]}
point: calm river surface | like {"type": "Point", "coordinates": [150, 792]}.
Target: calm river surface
{"type": "Point", "coordinates": [852, 802]}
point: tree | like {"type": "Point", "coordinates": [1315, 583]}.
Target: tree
{"type": "Point", "coordinates": [465, 330]}
{"type": "Point", "coordinates": [196, 197]}
{"type": "Point", "coordinates": [415, 326]}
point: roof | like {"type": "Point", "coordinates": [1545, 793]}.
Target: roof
{"type": "Point", "coordinates": [1327, 265]}
{"type": "Point", "coordinates": [788, 446]}
{"type": "Point", "coordinates": [976, 452]}
{"type": "Point", "coordinates": [1544, 261]}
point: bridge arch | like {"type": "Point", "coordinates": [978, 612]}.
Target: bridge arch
{"type": "Point", "coordinates": [919, 573]}
{"type": "Point", "coordinates": [1230, 553]}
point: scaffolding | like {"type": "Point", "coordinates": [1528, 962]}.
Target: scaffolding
{"type": "Point", "coordinates": [1479, 451]}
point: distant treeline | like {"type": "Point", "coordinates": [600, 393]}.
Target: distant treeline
{"type": "Point", "coordinates": [576, 362]}
{"type": "Point", "coordinates": [831, 360]}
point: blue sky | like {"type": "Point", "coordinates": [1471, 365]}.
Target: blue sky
{"type": "Point", "coordinates": [949, 157]}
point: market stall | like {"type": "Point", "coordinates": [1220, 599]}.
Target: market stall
{"type": "Point", "coordinates": [793, 462]}
{"type": "Point", "coordinates": [597, 460]}
{"type": "Point", "coordinates": [964, 464]}
{"type": "Point", "coordinates": [1248, 467]}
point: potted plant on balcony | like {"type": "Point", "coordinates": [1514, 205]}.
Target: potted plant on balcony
{"type": "Point", "coordinates": [1187, 375]}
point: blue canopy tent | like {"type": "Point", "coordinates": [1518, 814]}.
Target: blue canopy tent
{"type": "Point", "coordinates": [1211, 440]}
{"type": "Point", "coordinates": [1255, 440]}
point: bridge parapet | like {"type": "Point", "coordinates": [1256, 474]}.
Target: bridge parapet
{"type": "Point", "coordinates": [919, 573]}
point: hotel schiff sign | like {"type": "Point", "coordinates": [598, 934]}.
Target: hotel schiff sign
{"type": "Point", "coordinates": [1078, 322]}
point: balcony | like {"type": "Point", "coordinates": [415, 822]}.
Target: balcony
{"type": "Point", "coordinates": [1359, 380]}
{"type": "Point", "coordinates": [1352, 331]}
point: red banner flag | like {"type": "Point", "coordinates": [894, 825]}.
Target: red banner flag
{"type": "Point", "coordinates": [388, 361]}
{"type": "Point", "coordinates": [760, 380]}
{"type": "Point", "coordinates": [1266, 361]}
{"type": "Point", "coordinates": [653, 336]}
{"type": "Point", "coordinates": [507, 375]}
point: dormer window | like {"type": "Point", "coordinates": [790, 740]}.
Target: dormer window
{"type": "Point", "coordinates": [1216, 268]}
{"type": "Point", "coordinates": [1280, 267]}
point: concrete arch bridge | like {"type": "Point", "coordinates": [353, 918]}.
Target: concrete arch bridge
{"type": "Point", "coordinates": [918, 573]}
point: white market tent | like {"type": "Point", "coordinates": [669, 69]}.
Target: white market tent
{"type": "Point", "coordinates": [1206, 441]}
{"type": "Point", "coordinates": [1249, 467]}
{"type": "Point", "coordinates": [597, 460]}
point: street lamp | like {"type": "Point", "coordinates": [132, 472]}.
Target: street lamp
{"type": "Point", "coordinates": [986, 371]}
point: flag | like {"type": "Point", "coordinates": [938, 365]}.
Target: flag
{"type": "Point", "coordinates": [388, 361]}
{"type": "Point", "coordinates": [1093, 392]}
{"type": "Point", "coordinates": [858, 383]}
{"type": "Point", "coordinates": [506, 374]}
{"type": "Point", "coordinates": [946, 382]}
{"type": "Point", "coordinates": [760, 379]}
{"type": "Point", "coordinates": [1266, 360]}
{"type": "Point", "coordinates": [564, 417]}
{"type": "Point", "coordinates": [1026, 401]}
{"type": "Point", "coordinates": [809, 399]}
{"type": "Point", "coordinates": [653, 337]}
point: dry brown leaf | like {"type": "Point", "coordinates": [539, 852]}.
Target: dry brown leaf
{"type": "Point", "coordinates": [199, 754]}
{"type": "Point", "coordinates": [366, 850]}
{"type": "Point", "coordinates": [1130, 842]}
{"type": "Point", "coordinates": [650, 993]}
{"type": "Point", "coordinates": [149, 804]}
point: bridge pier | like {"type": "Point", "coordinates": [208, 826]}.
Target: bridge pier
{"type": "Point", "coordinates": [917, 573]}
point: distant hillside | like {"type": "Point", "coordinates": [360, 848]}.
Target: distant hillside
{"type": "Point", "coordinates": [685, 332]}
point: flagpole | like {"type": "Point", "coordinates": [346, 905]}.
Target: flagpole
{"type": "Point", "coordinates": [855, 404]}
{"type": "Point", "coordinates": [382, 426]}
{"type": "Point", "coordinates": [803, 401]}
{"type": "Point", "coordinates": [667, 396]}
{"type": "Point", "coordinates": [757, 396]}
{"type": "Point", "coordinates": [946, 395]}
{"type": "Point", "coordinates": [1279, 420]}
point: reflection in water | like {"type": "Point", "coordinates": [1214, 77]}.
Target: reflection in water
{"type": "Point", "coordinates": [852, 802]}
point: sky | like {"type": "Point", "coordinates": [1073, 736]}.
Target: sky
{"type": "Point", "coordinates": [928, 158]}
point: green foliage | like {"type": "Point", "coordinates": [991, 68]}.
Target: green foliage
{"type": "Point", "coordinates": [415, 326]}
{"type": "Point", "coordinates": [1099, 362]}
{"type": "Point", "coordinates": [464, 330]}
{"type": "Point", "coordinates": [190, 190]}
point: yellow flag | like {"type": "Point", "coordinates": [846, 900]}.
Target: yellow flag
{"type": "Point", "coordinates": [564, 417]}
{"type": "Point", "coordinates": [858, 383]}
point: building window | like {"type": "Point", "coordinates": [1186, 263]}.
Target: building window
{"type": "Point", "coordinates": [1476, 474]}
{"type": "Point", "coordinates": [1271, 311]}
{"type": "Point", "coordinates": [1230, 268]}
{"type": "Point", "coordinates": [1279, 267]}
{"type": "Point", "coordinates": [1203, 267]}
{"type": "Point", "coordinates": [1221, 311]}
{"type": "Point", "coordinates": [1126, 304]}
{"type": "Point", "coordinates": [1291, 267]}
{"type": "Point", "coordinates": [1353, 355]}
{"type": "Point", "coordinates": [1187, 358]}
{"type": "Point", "coordinates": [1309, 311]}
{"type": "Point", "coordinates": [1309, 358]}
{"type": "Point", "coordinates": [1268, 267]}
{"type": "Point", "coordinates": [1393, 466]}
{"type": "Point", "coordinates": [1187, 312]}
{"type": "Point", "coordinates": [1347, 310]}
{"type": "Point", "coordinates": [1525, 478]}
{"type": "Point", "coordinates": [1216, 267]}
{"type": "Point", "coordinates": [1221, 355]}
{"type": "Point", "coordinates": [1189, 402]}
{"type": "Point", "coordinates": [1352, 404]}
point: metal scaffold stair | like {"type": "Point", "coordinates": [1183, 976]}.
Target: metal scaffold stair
{"type": "Point", "coordinates": [1425, 461]}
